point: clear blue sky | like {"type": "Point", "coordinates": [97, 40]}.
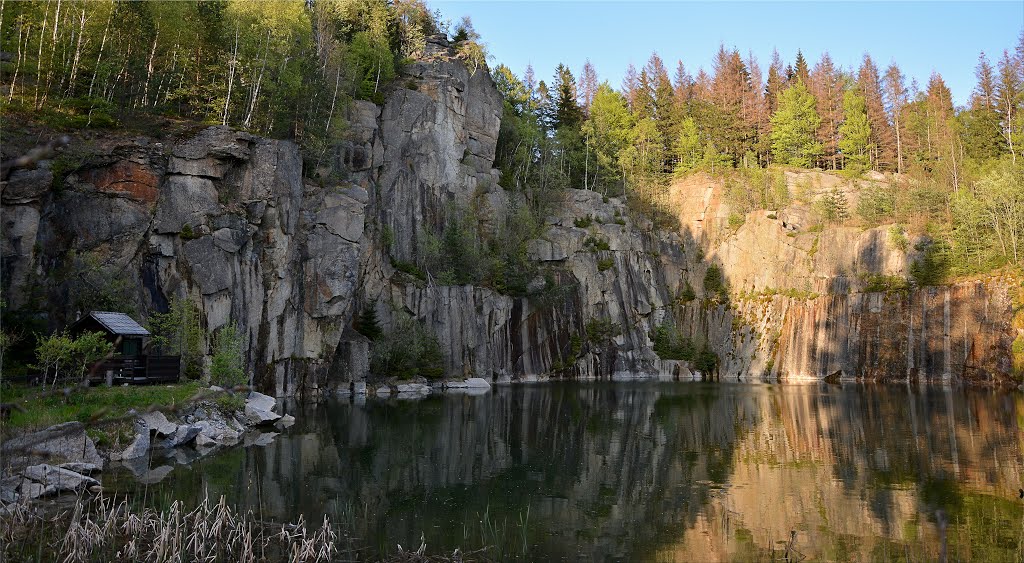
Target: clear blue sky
{"type": "Point", "coordinates": [920, 36]}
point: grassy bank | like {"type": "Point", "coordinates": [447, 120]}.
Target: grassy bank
{"type": "Point", "coordinates": [35, 408]}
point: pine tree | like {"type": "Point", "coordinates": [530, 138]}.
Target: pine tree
{"type": "Point", "coordinates": [800, 70]}
{"type": "Point", "coordinates": [794, 126]}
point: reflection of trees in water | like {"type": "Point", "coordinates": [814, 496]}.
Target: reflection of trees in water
{"type": "Point", "coordinates": [640, 470]}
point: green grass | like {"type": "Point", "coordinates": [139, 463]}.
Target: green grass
{"type": "Point", "coordinates": [39, 411]}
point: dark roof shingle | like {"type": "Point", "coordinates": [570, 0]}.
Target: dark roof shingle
{"type": "Point", "coordinates": [119, 323]}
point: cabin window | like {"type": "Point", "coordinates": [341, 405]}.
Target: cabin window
{"type": "Point", "coordinates": [130, 347]}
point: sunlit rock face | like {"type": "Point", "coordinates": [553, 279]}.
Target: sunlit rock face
{"type": "Point", "coordinates": [230, 222]}
{"type": "Point", "coordinates": [804, 301]}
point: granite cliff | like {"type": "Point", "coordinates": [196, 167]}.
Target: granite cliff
{"type": "Point", "coordinates": [229, 221]}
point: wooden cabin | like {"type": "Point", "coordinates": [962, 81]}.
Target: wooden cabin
{"type": "Point", "coordinates": [129, 362]}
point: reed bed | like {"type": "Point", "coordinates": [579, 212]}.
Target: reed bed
{"type": "Point", "coordinates": [105, 529]}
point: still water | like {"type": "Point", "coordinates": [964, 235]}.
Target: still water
{"type": "Point", "coordinates": [648, 472]}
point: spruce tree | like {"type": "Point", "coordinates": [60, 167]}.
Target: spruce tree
{"type": "Point", "coordinates": [794, 126]}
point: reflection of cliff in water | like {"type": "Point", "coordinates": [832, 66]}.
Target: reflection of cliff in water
{"type": "Point", "coordinates": [669, 472]}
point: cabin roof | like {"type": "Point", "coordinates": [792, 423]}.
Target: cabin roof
{"type": "Point", "coordinates": [117, 323]}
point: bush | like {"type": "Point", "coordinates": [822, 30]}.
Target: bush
{"type": "Point", "coordinates": [600, 331]}
{"type": "Point", "coordinates": [407, 350]}
{"type": "Point", "coordinates": [932, 267]}
{"type": "Point", "coordinates": [706, 361]}
{"type": "Point", "coordinates": [67, 358]}
{"type": "Point", "coordinates": [366, 323]}
{"type": "Point", "coordinates": [714, 283]}
{"type": "Point", "coordinates": [178, 331]}
{"type": "Point", "coordinates": [584, 222]}
{"type": "Point", "coordinates": [669, 344]}
{"type": "Point", "coordinates": [595, 244]}
{"type": "Point", "coordinates": [686, 293]}
{"type": "Point", "coordinates": [898, 238]}
{"type": "Point", "coordinates": [226, 369]}
{"type": "Point", "coordinates": [605, 264]}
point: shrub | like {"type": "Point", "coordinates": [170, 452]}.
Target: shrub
{"type": "Point", "coordinates": [407, 350]}
{"type": "Point", "coordinates": [686, 293]}
{"type": "Point", "coordinates": [714, 282]}
{"type": "Point", "coordinates": [932, 267]}
{"type": "Point", "coordinates": [605, 264]}
{"type": "Point", "coordinates": [898, 238]}
{"type": "Point", "coordinates": [226, 367]}
{"type": "Point", "coordinates": [69, 357]}
{"type": "Point", "coordinates": [366, 323]}
{"type": "Point", "coordinates": [595, 244]}
{"type": "Point", "coordinates": [669, 344]}
{"type": "Point", "coordinates": [600, 331]}
{"type": "Point", "coordinates": [584, 222]}
{"type": "Point", "coordinates": [706, 361]}
{"type": "Point", "coordinates": [178, 331]}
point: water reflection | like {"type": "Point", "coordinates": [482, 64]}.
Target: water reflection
{"type": "Point", "coordinates": [646, 471]}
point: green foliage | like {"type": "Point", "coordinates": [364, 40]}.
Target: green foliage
{"type": "Point", "coordinates": [179, 332]}
{"type": "Point", "coordinates": [226, 367]}
{"type": "Point", "coordinates": [706, 361]}
{"type": "Point", "coordinates": [833, 206]}
{"type": "Point", "coordinates": [605, 264]}
{"type": "Point", "coordinates": [67, 358]}
{"type": "Point", "coordinates": [600, 331]}
{"type": "Point", "coordinates": [366, 322]}
{"type": "Point", "coordinates": [932, 267]}
{"type": "Point", "coordinates": [409, 268]}
{"type": "Point", "coordinates": [596, 244]}
{"type": "Point", "coordinates": [187, 233]}
{"type": "Point", "coordinates": [94, 286]}
{"type": "Point", "coordinates": [877, 203]}
{"type": "Point", "coordinates": [686, 293]}
{"type": "Point", "coordinates": [885, 283]}
{"type": "Point", "coordinates": [714, 283]}
{"type": "Point", "coordinates": [794, 125]}
{"type": "Point", "coordinates": [584, 222]}
{"type": "Point", "coordinates": [670, 344]}
{"type": "Point", "coordinates": [406, 351]}
{"type": "Point", "coordinates": [736, 220]}
{"type": "Point", "coordinates": [898, 238]}
{"type": "Point", "coordinates": [855, 133]}
{"type": "Point", "coordinates": [41, 411]}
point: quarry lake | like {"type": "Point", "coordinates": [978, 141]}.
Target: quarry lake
{"type": "Point", "coordinates": [642, 472]}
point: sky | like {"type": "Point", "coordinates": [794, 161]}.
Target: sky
{"type": "Point", "coordinates": [921, 37]}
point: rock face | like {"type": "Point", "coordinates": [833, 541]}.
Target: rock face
{"type": "Point", "coordinates": [228, 221]}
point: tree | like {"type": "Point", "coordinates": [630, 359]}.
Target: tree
{"type": "Point", "coordinates": [608, 131]}
{"type": "Point", "coordinates": [883, 141]}
{"type": "Point", "coordinates": [688, 147]}
{"type": "Point", "coordinates": [855, 133]}
{"type": "Point", "coordinates": [896, 99]}
{"type": "Point", "coordinates": [588, 85]}
{"type": "Point", "coordinates": [794, 126]}
{"type": "Point", "coordinates": [226, 366]}
{"type": "Point", "coordinates": [827, 88]}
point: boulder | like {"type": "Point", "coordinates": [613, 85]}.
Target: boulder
{"type": "Point", "coordinates": [156, 421]}
{"type": "Point", "coordinates": [285, 421]}
{"type": "Point", "coordinates": [183, 434]}
{"type": "Point", "coordinates": [57, 478]}
{"type": "Point", "coordinates": [259, 409]}
{"type": "Point", "coordinates": [138, 448]}
{"type": "Point", "coordinates": [477, 383]}
{"type": "Point", "coordinates": [215, 432]}
{"type": "Point", "coordinates": [61, 443]}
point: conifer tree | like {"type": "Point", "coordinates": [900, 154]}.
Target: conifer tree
{"type": "Point", "coordinates": [794, 127]}
{"type": "Point", "coordinates": [855, 133]}
{"type": "Point", "coordinates": [882, 139]}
